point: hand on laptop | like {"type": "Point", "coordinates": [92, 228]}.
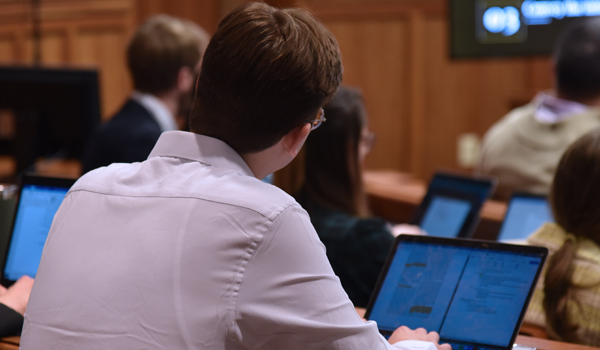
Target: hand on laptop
{"type": "Point", "coordinates": [405, 229]}
{"type": "Point", "coordinates": [17, 295]}
{"type": "Point", "coordinates": [405, 333]}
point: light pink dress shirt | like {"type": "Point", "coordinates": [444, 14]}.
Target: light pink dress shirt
{"type": "Point", "coordinates": [188, 250]}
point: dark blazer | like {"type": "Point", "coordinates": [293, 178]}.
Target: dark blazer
{"type": "Point", "coordinates": [126, 138]}
{"type": "Point", "coordinates": [11, 321]}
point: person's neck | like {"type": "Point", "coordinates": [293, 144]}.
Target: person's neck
{"type": "Point", "coordinates": [260, 163]}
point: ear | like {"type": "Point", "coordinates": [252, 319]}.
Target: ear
{"type": "Point", "coordinates": [294, 140]}
{"type": "Point", "coordinates": [185, 79]}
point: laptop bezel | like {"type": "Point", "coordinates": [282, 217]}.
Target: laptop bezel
{"type": "Point", "coordinates": [472, 220]}
{"type": "Point", "coordinates": [468, 243]}
{"type": "Point", "coordinates": [36, 180]}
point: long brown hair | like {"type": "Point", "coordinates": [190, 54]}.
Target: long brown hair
{"type": "Point", "coordinates": [332, 167]}
{"type": "Point", "coordinates": [575, 201]}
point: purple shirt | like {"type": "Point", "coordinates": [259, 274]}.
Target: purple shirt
{"type": "Point", "coordinates": [188, 250]}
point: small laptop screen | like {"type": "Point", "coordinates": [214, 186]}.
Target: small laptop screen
{"type": "Point", "coordinates": [525, 214]}
{"type": "Point", "coordinates": [445, 216]}
{"type": "Point", "coordinates": [466, 294]}
{"type": "Point", "coordinates": [451, 205]}
{"type": "Point", "coordinates": [35, 212]}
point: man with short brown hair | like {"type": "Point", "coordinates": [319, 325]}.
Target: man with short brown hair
{"type": "Point", "coordinates": [164, 58]}
{"type": "Point", "coordinates": [189, 249]}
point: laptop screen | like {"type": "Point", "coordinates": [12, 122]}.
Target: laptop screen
{"type": "Point", "coordinates": [445, 216]}
{"type": "Point", "coordinates": [451, 206]}
{"type": "Point", "coordinates": [525, 214]}
{"type": "Point", "coordinates": [35, 212]}
{"type": "Point", "coordinates": [470, 294]}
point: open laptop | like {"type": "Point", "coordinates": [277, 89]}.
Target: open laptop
{"type": "Point", "coordinates": [452, 204]}
{"type": "Point", "coordinates": [39, 199]}
{"type": "Point", "coordinates": [524, 215]}
{"type": "Point", "coordinates": [473, 293]}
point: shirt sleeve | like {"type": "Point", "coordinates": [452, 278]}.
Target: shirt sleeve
{"type": "Point", "coordinates": [290, 298]}
{"type": "Point", "coordinates": [414, 345]}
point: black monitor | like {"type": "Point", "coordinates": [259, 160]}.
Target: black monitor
{"type": "Point", "coordinates": [53, 112]}
{"type": "Point", "coordinates": [495, 28]}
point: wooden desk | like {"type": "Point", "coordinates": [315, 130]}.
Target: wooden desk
{"type": "Point", "coordinates": [540, 344]}
{"type": "Point", "coordinates": [394, 196]}
{"type": "Point", "coordinates": [545, 344]}
{"type": "Point", "coordinates": [10, 343]}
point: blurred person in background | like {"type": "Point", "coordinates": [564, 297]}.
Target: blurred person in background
{"type": "Point", "coordinates": [333, 194]}
{"type": "Point", "coordinates": [523, 148]}
{"type": "Point", "coordinates": [164, 58]}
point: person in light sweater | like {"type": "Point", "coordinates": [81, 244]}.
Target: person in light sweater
{"type": "Point", "coordinates": [523, 148]}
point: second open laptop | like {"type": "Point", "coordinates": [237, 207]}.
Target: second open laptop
{"type": "Point", "coordinates": [473, 293]}
{"type": "Point", "coordinates": [39, 199]}
{"type": "Point", "coordinates": [452, 204]}
{"type": "Point", "coordinates": [524, 215]}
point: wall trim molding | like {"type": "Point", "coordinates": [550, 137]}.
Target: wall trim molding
{"type": "Point", "coordinates": [348, 10]}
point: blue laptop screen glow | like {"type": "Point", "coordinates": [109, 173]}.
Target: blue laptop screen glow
{"type": "Point", "coordinates": [445, 216]}
{"type": "Point", "coordinates": [36, 210]}
{"type": "Point", "coordinates": [451, 205]}
{"type": "Point", "coordinates": [523, 217]}
{"type": "Point", "coordinates": [465, 294]}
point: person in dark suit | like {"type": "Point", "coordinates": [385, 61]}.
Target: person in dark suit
{"type": "Point", "coordinates": [164, 57]}
{"type": "Point", "coordinates": [13, 302]}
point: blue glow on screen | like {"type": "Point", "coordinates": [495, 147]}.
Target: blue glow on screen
{"type": "Point", "coordinates": [37, 207]}
{"type": "Point", "coordinates": [502, 20]}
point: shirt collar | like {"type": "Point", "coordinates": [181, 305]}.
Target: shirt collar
{"type": "Point", "coordinates": [550, 109]}
{"type": "Point", "coordinates": [199, 148]}
{"type": "Point", "coordinates": [158, 110]}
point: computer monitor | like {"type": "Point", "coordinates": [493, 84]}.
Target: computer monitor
{"type": "Point", "coordinates": [53, 111]}
{"type": "Point", "coordinates": [492, 28]}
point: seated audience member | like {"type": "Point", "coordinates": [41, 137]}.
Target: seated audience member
{"type": "Point", "coordinates": [523, 148]}
{"type": "Point", "coordinates": [567, 298]}
{"type": "Point", "coordinates": [334, 197]}
{"type": "Point", "coordinates": [163, 56]}
{"type": "Point", "coordinates": [13, 302]}
{"type": "Point", "coordinates": [189, 249]}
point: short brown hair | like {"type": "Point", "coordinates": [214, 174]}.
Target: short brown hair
{"type": "Point", "coordinates": [265, 72]}
{"type": "Point", "coordinates": [160, 47]}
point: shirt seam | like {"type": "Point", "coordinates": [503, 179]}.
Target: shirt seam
{"type": "Point", "coordinates": [240, 170]}
{"type": "Point", "coordinates": [186, 197]}
{"type": "Point", "coordinates": [246, 261]}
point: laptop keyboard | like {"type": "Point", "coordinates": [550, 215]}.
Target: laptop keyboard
{"type": "Point", "coordinates": [469, 347]}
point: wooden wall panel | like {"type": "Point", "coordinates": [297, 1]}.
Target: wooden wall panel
{"type": "Point", "coordinates": [206, 13]}
{"type": "Point", "coordinates": [396, 51]}
{"type": "Point", "coordinates": [375, 60]}
{"type": "Point", "coordinates": [7, 48]}
{"type": "Point", "coordinates": [106, 48]}
{"type": "Point", "coordinates": [53, 48]}
{"type": "Point", "coordinates": [465, 96]}
{"type": "Point", "coordinates": [90, 33]}
{"type": "Point", "coordinates": [420, 101]}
